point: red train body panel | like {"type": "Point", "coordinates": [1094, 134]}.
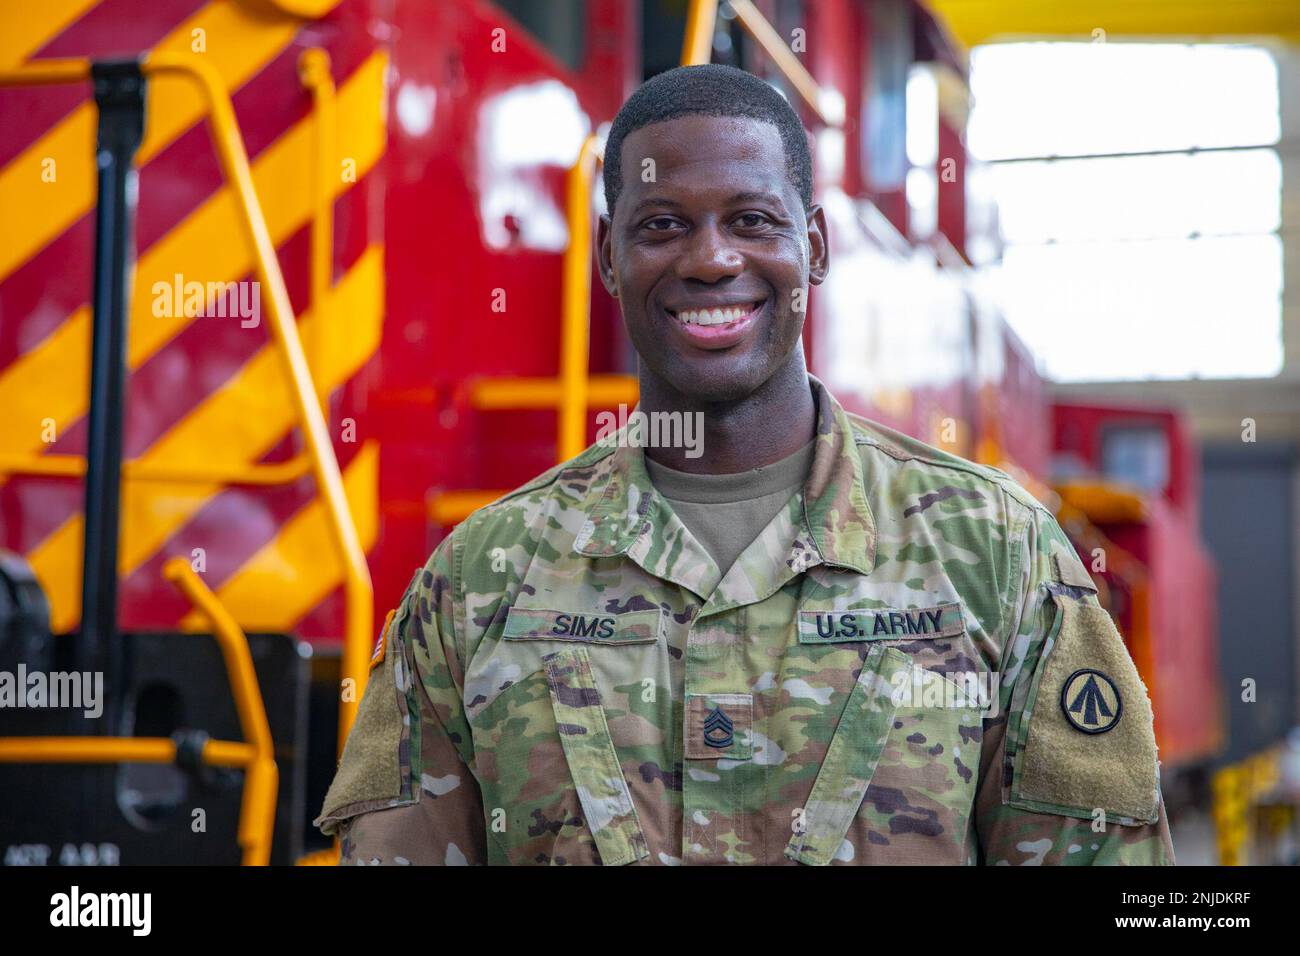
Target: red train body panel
{"type": "Point", "coordinates": [458, 209]}
{"type": "Point", "coordinates": [1167, 609]}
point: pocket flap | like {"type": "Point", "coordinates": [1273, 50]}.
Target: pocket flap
{"type": "Point", "coordinates": [593, 762]}
{"type": "Point", "coordinates": [850, 760]}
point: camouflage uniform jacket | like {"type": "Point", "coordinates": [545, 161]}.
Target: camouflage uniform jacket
{"type": "Point", "coordinates": [570, 679]}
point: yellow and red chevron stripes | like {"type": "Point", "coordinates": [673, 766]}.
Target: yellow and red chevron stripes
{"type": "Point", "coordinates": [24, 35]}
{"type": "Point", "coordinates": [303, 542]}
{"type": "Point", "coordinates": [284, 567]}
{"type": "Point", "coordinates": [238, 423]}
{"type": "Point", "coordinates": [236, 42]}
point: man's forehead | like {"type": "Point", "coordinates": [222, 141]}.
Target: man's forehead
{"type": "Point", "coordinates": [717, 154]}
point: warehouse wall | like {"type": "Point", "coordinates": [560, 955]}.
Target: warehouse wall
{"type": "Point", "coordinates": [1251, 488]}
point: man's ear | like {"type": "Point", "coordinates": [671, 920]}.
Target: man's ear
{"type": "Point", "coordinates": [605, 255]}
{"type": "Point", "coordinates": [819, 250]}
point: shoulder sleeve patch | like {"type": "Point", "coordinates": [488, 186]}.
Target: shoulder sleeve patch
{"type": "Point", "coordinates": [375, 772]}
{"type": "Point", "coordinates": [1090, 742]}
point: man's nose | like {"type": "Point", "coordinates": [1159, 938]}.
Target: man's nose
{"type": "Point", "coordinates": [709, 256]}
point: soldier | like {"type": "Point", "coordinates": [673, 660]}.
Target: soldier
{"type": "Point", "coordinates": [819, 641]}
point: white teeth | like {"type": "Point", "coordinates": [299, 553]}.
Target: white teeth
{"type": "Point", "coordinates": [713, 316]}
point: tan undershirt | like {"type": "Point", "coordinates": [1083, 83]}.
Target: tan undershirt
{"type": "Point", "coordinates": [726, 513]}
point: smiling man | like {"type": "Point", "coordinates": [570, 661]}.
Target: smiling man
{"type": "Point", "coordinates": [819, 641]}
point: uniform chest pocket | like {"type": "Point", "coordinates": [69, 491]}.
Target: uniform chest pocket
{"type": "Point", "coordinates": [899, 776]}
{"type": "Point", "coordinates": [546, 694]}
{"type": "Point", "coordinates": [920, 800]}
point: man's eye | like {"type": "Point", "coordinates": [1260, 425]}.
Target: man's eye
{"type": "Point", "coordinates": [752, 220]}
{"type": "Point", "coordinates": [659, 224]}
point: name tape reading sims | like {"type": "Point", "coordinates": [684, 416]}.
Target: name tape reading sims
{"type": "Point", "coordinates": [538, 624]}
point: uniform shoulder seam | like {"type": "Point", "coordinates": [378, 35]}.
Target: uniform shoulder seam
{"type": "Point", "coordinates": [871, 434]}
{"type": "Point", "coordinates": [547, 478]}
{"type": "Point", "coordinates": [1010, 601]}
{"type": "Point", "coordinates": [895, 450]}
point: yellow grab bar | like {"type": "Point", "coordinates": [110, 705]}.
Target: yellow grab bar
{"type": "Point", "coordinates": [255, 754]}
{"type": "Point", "coordinates": [234, 651]}
{"type": "Point", "coordinates": [314, 71]}
{"type": "Point", "coordinates": [261, 777]}
{"type": "Point", "coordinates": [452, 507]}
{"type": "Point", "coordinates": [216, 753]}
{"type": "Point", "coordinates": [701, 20]}
{"type": "Point", "coordinates": [74, 466]}
{"type": "Point", "coordinates": [576, 319]}
{"type": "Point", "coordinates": [357, 586]}
{"type": "Point", "coordinates": [828, 106]}
{"type": "Point", "coordinates": [45, 72]}
{"type": "Point", "coordinates": [233, 157]}
{"type": "Point", "coordinates": [603, 391]}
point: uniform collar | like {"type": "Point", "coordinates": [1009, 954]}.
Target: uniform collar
{"type": "Point", "coordinates": [625, 515]}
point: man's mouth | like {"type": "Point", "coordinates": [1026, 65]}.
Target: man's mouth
{"type": "Point", "coordinates": [717, 316]}
{"type": "Point", "coordinates": [716, 327]}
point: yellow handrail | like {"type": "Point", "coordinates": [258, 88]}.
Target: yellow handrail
{"type": "Point", "coordinates": [256, 754]}
{"type": "Point", "coordinates": [575, 390]}
{"type": "Point", "coordinates": [828, 105]}
{"type": "Point", "coordinates": [261, 778]}
{"type": "Point", "coordinates": [357, 587]}
{"type": "Point", "coordinates": [47, 72]}
{"type": "Point", "coordinates": [452, 507]}
{"type": "Point", "coordinates": [216, 753]}
{"type": "Point", "coordinates": [701, 21]}
{"type": "Point", "coordinates": [491, 394]}
{"type": "Point", "coordinates": [136, 469]}
{"type": "Point", "coordinates": [314, 71]}
{"type": "Point", "coordinates": [575, 321]}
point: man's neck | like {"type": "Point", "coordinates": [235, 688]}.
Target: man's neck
{"type": "Point", "coordinates": [765, 426]}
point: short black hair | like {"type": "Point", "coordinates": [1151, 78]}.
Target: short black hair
{"type": "Point", "coordinates": [710, 89]}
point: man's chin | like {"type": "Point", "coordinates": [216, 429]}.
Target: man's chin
{"type": "Point", "coordinates": [716, 381]}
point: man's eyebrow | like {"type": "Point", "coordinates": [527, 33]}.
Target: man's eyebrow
{"type": "Point", "coordinates": [747, 196]}
{"type": "Point", "coordinates": [754, 197]}
{"type": "Point", "coordinates": [661, 201]}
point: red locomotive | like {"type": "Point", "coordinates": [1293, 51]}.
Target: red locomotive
{"type": "Point", "coordinates": [382, 316]}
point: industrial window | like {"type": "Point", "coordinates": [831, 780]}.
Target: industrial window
{"type": "Point", "coordinates": [1139, 192]}
{"type": "Point", "coordinates": [558, 25]}
{"type": "Point", "coordinates": [922, 140]}
{"type": "Point", "coordinates": [1136, 455]}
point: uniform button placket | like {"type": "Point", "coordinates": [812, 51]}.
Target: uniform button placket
{"type": "Point", "coordinates": [706, 791]}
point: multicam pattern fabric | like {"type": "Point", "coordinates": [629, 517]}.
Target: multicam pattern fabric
{"type": "Point", "coordinates": [542, 739]}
